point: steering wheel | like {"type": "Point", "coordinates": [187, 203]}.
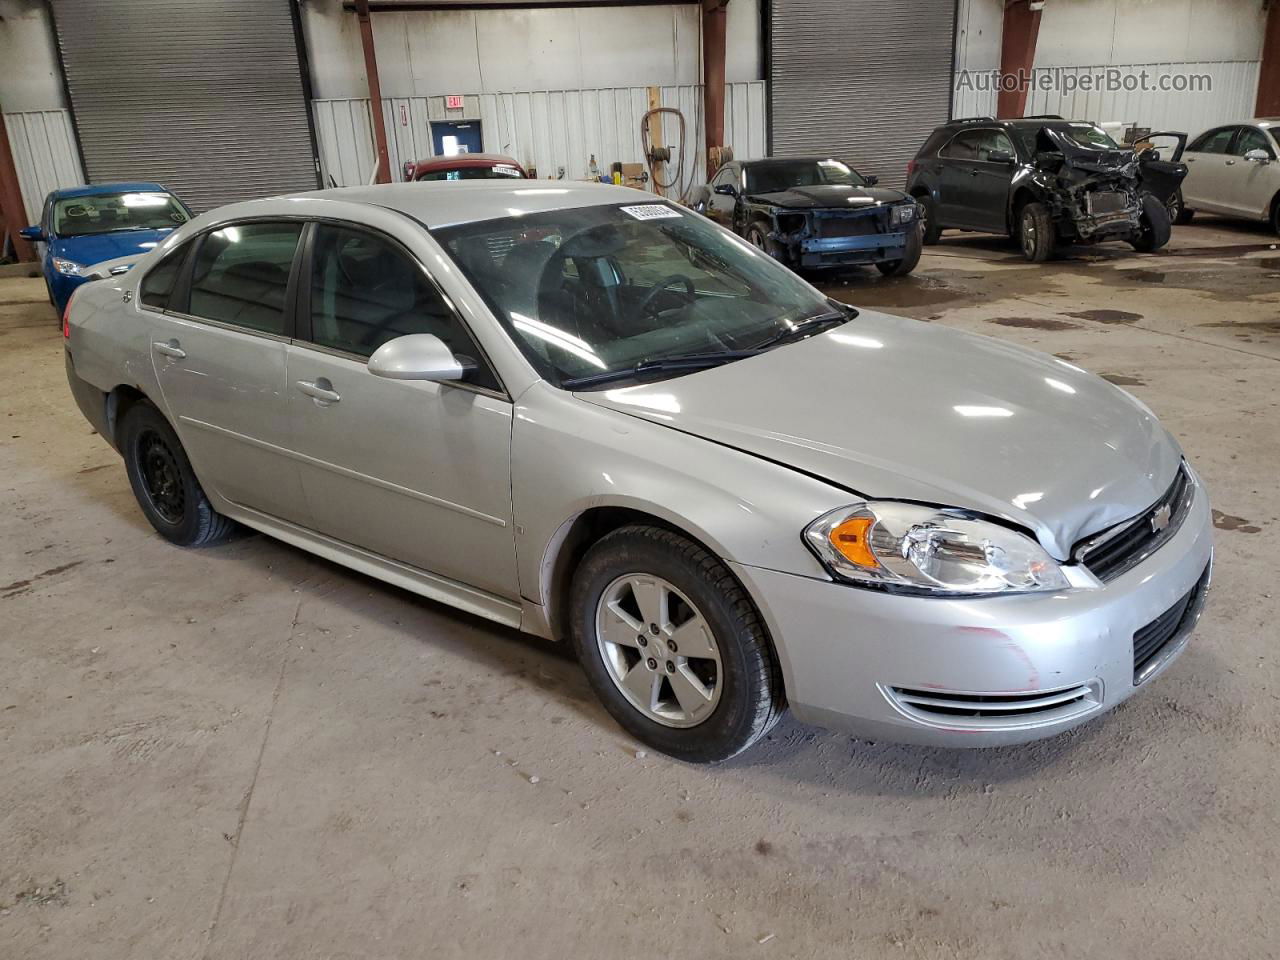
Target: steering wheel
{"type": "Point", "coordinates": [675, 278]}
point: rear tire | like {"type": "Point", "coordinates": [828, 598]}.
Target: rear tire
{"type": "Point", "coordinates": [163, 482]}
{"type": "Point", "coordinates": [910, 256]}
{"type": "Point", "coordinates": [1177, 208]}
{"type": "Point", "coordinates": [932, 230]}
{"type": "Point", "coordinates": [621, 637]}
{"type": "Point", "coordinates": [1036, 232]}
{"type": "Point", "coordinates": [1156, 228]}
{"type": "Point", "coordinates": [1275, 213]}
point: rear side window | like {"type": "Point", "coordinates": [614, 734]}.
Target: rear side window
{"type": "Point", "coordinates": [365, 291]}
{"type": "Point", "coordinates": [241, 275]}
{"type": "Point", "coordinates": [1215, 141]}
{"type": "Point", "coordinates": [160, 279]}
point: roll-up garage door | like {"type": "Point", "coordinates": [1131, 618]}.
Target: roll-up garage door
{"type": "Point", "coordinates": [862, 80]}
{"type": "Point", "coordinates": [204, 97]}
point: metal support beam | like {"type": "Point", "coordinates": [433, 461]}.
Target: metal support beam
{"type": "Point", "coordinates": [382, 172]}
{"type": "Point", "coordinates": [713, 56]}
{"type": "Point", "coordinates": [1017, 55]}
{"type": "Point", "coordinates": [12, 214]}
{"type": "Point", "coordinates": [1269, 75]}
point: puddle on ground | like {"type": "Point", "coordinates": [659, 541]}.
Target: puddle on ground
{"type": "Point", "coordinates": [1034, 323]}
{"type": "Point", "coordinates": [1123, 379]}
{"type": "Point", "coordinates": [1264, 327]}
{"type": "Point", "coordinates": [910, 291]}
{"type": "Point", "coordinates": [1225, 521]}
{"type": "Point", "coordinates": [1111, 317]}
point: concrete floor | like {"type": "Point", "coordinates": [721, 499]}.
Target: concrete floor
{"type": "Point", "coordinates": [247, 752]}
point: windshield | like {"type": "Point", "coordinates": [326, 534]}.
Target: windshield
{"type": "Point", "coordinates": [777, 176]}
{"type": "Point", "coordinates": [104, 213]}
{"type": "Point", "coordinates": [596, 290]}
{"type": "Point", "coordinates": [496, 172]}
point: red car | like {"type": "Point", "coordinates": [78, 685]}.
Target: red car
{"type": "Point", "coordinates": [465, 166]}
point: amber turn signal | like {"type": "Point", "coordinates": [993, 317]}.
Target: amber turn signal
{"type": "Point", "coordinates": [851, 539]}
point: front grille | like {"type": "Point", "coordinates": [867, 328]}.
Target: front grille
{"type": "Point", "coordinates": [1106, 201]}
{"type": "Point", "coordinates": [1112, 552]}
{"type": "Point", "coordinates": [852, 226]}
{"type": "Point", "coordinates": [997, 709]}
{"type": "Point", "coordinates": [1150, 640]}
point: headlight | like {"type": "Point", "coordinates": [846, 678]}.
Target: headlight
{"type": "Point", "coordinates": [66, 267]}
{"type": "Point", "coordinates": [927, 549]}
{"type": "Point", "coordinates": [903, 213]}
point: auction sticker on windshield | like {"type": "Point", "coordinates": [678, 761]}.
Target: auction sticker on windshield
{"type": "Point", "coordinates": [651, 211]}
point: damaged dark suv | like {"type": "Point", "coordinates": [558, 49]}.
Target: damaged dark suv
{"type": "Point", "coordinates": [1044, 181]}
{"type": "Point", "coordinates": [813, 213]}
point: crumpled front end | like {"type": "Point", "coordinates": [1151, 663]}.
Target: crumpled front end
{"type": "Point", "coordinates": [843, 237]}
{"type": "Point", "coordinates": [1092, 194]}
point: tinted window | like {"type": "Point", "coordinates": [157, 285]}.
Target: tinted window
{"type": "Point", "coordinates": [242, 274]}
{"type": "Point", "coordinates": [365, 291]}
{"type": "Point", "coordinates": [499, 171]}
{"type": "Point", "coordinates": [159, 281]}
{"type": "Point", "coordinates": [1251, 138]}
{"type": "Point", "coordinates": [778, 175]}
{"type": "Point", "coordinates": [1215, 141]}
{"type": "Point", "coordinates": [963, 146]}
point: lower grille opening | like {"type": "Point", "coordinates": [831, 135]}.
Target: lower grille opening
{"type": "Point", "coordinates": [997, 709]}
{"type": "Point", "coordinates": [1151, 640]}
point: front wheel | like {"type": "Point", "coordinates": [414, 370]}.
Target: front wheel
{"type": "Point", "coordinates": [673, 646]}
{"type": "Point", "coordinates": [910, 256]}
{"type": "Point", "coordinates": [1155, 227]}
{"type": "Point", "coordinates": [1036, 233]}
{"type": "Point", "coordinates": [163, 482]}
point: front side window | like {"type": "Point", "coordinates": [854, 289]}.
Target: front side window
{"type": "Point", "coordinates": [963, 146]}
{"type": "Point", "coordinates": [241, 275]}
{"type": "Point", "coordinates": [365, 291]}
{"type": "Point", "coordinates": [593, 291]}
{"type": "Point", "coordinates": [108, 212]}
{"type": "Point", "coordinates": [497, 171]}
{"type": "Point", "coordinates": [777, 176]}
{"type": "Point", "coordinates": [1215, 141]}
{"type": "Point", "coordinates": [1251, 138]}
{"type": "Point", "coordinates": [160, 279]}
{"type": "Point", "coordinates": [991, 140]}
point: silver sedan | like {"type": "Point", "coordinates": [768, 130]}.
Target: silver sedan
{"type": "Point", "coordinates": [590, 414]}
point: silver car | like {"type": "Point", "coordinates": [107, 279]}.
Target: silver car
{"type": "Point", "coordinates": [1233, 170]}
{"type": "Point", "coordinates": [587, 413]}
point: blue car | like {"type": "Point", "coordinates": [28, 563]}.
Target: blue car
{"type": "Point", "coordinates": [81, 226]}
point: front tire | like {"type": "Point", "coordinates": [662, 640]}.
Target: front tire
{"type": "Point", "coordinates": [163, 482]}
{"type": "Point", "coordinates": [1036, 232]}
{"type": "Point", "coordinates": [910, 256]}
{"type": "Point", "coordinates": [1156, 228]}
{"type": "Point", "coordinates": [673, 646]}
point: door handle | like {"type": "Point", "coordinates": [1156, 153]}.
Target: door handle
{"type": "Point", "coordinates": [1231, 163]}
{"type": "Point", "coordinates": [319, 390]}
{"type": "Point", "coordinates": [169, 348]}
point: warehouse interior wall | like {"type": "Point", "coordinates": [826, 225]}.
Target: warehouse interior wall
{"type": "Point", "coordinates": [29, 75]}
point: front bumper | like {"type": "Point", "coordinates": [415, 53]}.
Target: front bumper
{"type": "Point", "coordinates": [978, 672]}
{"type": "Point", "coordinates": [840, 251]}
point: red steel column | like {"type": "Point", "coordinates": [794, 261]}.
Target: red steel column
{"type": "Point", "coordinates": [1269, 76]}
{"type": "Point", "coordinates": [1017, 55]}
{"type": "Point", "coordinates": [12, 214]}
{"type": "Point", "coordinates": [383, 172]}
{"type": "Point", "coordinates": [713, 56]}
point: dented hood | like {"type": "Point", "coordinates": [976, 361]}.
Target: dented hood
{"type": "Point", "coordinates": [1089, 159]}
{"type": "Point", "coordinates": [891, 408]}
{"type": "Point", "coordinates": [830, 195]}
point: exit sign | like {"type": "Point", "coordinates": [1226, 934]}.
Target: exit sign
{"type": "Point", "coordinates": [453, 102]}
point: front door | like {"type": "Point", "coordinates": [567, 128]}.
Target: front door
{"type": "Point", "coordinates": [418, 472]}
{"type": "Point", "coordinates": [452, 137]}
{"type": "Point", "coordinates": [989, 183]}
{"type": "Point", "coordinates": [1207, 184]}
{"type": "Point", "coordinates": [219, 354]}
{"type": "Point", "coordinates": [1252, 183]}
{"type": "Point", "coordinates": [720, 206]}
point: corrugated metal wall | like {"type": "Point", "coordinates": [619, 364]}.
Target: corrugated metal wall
{"type": "Point", "coordinates": [864, 80]}
{"type": "Point", "coordinates": [44, 154]}
{"type": "Point", "coordinates": [1234, 86]}
{"type": "Point", "coordinates": [547, 129]}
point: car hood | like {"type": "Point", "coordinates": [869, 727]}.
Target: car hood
{"type": "Point", "coordinates": [829, 195]}
{"type": "Point", "coordinates": [890, 408]}
{"type": "Point", "coordinates": [107, 246]}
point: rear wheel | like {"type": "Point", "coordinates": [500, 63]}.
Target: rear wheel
{"type": "Point", "coordinates": [1036, 233]}
{"type": "Point", "coordinates": [163, 482]}
{"type": "Point", "coordinates": [1177, 209]}
{"type": "Point", "coordinates": [931, 230]}
{"type": "Point", "coordinates": [673, 646]}
{"type": "Point", "coordinates": [910, 256]}
{"type": "Point", "coordinates": [1156, 228]}
{"type": "Point", "coordinates": [1275, 213]}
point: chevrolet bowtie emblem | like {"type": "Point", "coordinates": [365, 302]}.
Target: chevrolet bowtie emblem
{"type": "Point", "coordinates": [1160, 517]}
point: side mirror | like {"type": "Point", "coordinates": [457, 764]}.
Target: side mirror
{"type": "Point", "coordinates": [1258, 155]}
{"type": "Point", "coordinates": [725, 189]}
{"type": "Point", "coordinates": [1000, 156]}
{"type": "Point", "coordinates": [418, 356]}
{"type": "Point", "coordinates": [34, 234]}
{"type": "Point", "coordinates": [871, 180]}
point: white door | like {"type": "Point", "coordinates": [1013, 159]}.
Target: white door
{"type": "Point", "coordinates": [1253, 182]}
{"type": "Point", "coordinates": [1207, 184]}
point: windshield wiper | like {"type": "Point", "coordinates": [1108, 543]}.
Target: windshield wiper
{"type": "Point", "coordinates": [806, 327]}
{"type": "Point", "coordinates": [682, 362]}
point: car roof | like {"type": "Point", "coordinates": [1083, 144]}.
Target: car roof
{"type": "Point", "coordinates": [768, 161]}
{"type": "Point", "coordinates": [1265, 121]}
{"type": "Point", "coordinates": [98, 189]}
{"type": "Point", "coordinates": [463, 160]}
{"type": "Point", "coordinates": [443, 203]}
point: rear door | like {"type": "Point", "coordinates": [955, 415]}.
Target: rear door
{"type": "Point", "coordinates": [1207, 186]}
{"type": "Point", "coordinates": [222, 322]}
{"type": "Point", "coordinates": [957, 189]}
{"type": "Point", "coordinates": [414, 471]}
{"type": "Point", "coordinates": [1252, 183]}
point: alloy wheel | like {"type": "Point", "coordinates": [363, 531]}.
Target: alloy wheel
{"type": "Point", "coordinates": [659, 650]}
{"type": "Point", "coordinates": [1028, 233]}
